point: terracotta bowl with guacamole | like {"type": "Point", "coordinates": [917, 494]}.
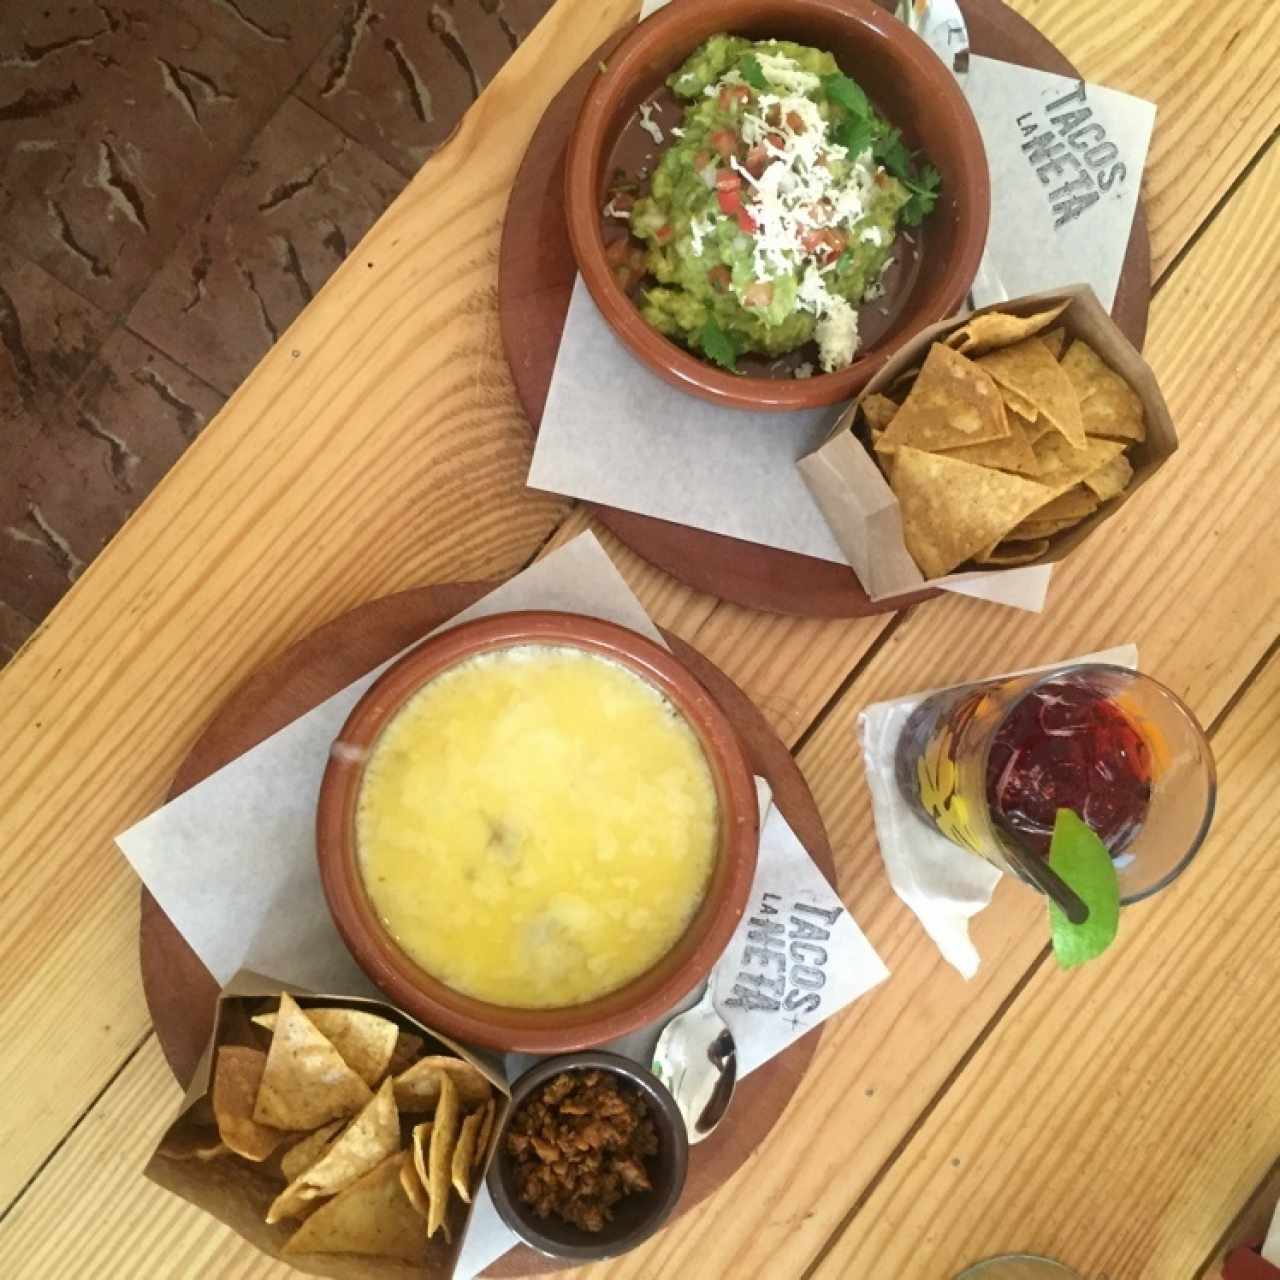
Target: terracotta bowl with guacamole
{"type": "Point", "coordinates": [537, 832]}
{"type": "Point", "coordinates": [767, 198]}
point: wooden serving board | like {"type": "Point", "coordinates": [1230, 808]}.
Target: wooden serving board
{"type": "Point", "coordinates": [180, 991]}
{"type": "Point", "coordinates": [535, 280]}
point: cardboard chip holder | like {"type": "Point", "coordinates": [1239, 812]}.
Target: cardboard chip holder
{"type": "Point", "coordinates": [860, 508]}
{"type": "Point", "coordinates": [237, 1192]}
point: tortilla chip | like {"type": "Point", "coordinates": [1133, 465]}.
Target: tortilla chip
{"type": "Point", "coordinates": [1055, 340]}
{"type": "Point", "coordinates": [408, 1050]}
{"type": "Point", "coordinates": [1033, 530]}
{"type": "Point", "coordinates": [414, 1189]}
{"type": "Point", "coordinates": [995, 330]}
{"type": "Point", "coordinates": [1111, 478]}
{"type": "Point", "coordinates": [1034, 374]}
{"type": "Point", "coordinates": [952, 403]}
{"type": "Point", "coordinates": [237, 1079]}
{"type": "Point", "coordinates": [464, 1155]}
{"type": "Point", "coordinates": [1059, 465]}
{"type": "Point", "coordinates": [1034, 428]}
{"type": "Point", "coordinates": [194, 1144]}
{"type": "Point", "coordinates": [951, 510]}
{"type": "Point", "coordinates": [1013, 453]}
{"type": "Point", "coordinates": [305, 1081]}
{"type": "Point", "coordinates": [444, 1134]}
{"type": "Point", "coordinates": [1020, 405]}
{"type": "Point", "coordinates": [372, 1216]}
{"type": "Point", "coordinates": [486, 1128]}
{"type": "Point", "coordinates": [1109, 405]}
{"type": "Point", "coordinates": [878, 410]}
{"type": "Point", "coordinates": [1004, 555]}
{"type": "Point", "coordinates": [418, 1089]}
{"type": "Point", "coordinates": [368, 1140]}
{"type": "Point", "coordinates": [302, 1155]}
{"type": "Point", "coordinates": [363, 1040]}
{"type": "Point", "coordinates": [1074, 503]}
{"type": "Point", "coordinates": [421, 1146]}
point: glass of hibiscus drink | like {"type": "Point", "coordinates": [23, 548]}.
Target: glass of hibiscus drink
{"type": "Point", "coordinates": [989, 765]}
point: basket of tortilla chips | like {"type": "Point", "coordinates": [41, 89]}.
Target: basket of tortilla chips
{"type": "Point", "coordinates": [334, 1133]}
{"type": "Point", "coordinates": [996, 439]}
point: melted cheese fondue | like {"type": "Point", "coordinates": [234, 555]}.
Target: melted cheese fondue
{"type": "Point", "coordinates": [536, 827]}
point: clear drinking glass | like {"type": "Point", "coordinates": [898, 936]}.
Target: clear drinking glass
{"type": "Point", "coordinates": [1017, 1266]}
{"type": "Point", "coordinates": [987, 765]}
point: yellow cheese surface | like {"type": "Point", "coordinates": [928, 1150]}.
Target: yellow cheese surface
{"type": "Point", "coordinates": [537, 826]}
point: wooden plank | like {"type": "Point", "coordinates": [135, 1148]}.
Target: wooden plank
{"type": "Point", "coordinates": [1211, 69]}
{"type": "Point", "coordinates": [669, 603]}
{"type": "Point", "coordinates": [93, 1214]}
{"type": "Point", "coordinates": [389, 450]}
{"type": "Point", "coordinates": [1179, 571]}
{"type": "Point", "coordinates": [1123, 1113]}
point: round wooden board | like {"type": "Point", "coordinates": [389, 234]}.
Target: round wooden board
{"type": "Point", "coordinates": [180, 991]}
{"type": "Point", "coordinates": [535, 281]}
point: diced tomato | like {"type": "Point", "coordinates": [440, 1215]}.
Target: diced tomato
{"type": "Point", "coordinates": [725, 141]}
{"type": "Point", "coordinates": [759, 294]}
{"type": "Point", "coordinates": [827, 242]}
{"type": "Point", "coordinates": [720, 278]}
{"type": "Point", "coordinates": [795, 122]}
{"type": "Point", "coordinates": [731, 203]}
{"type": "Point", "coordinates": [812, 241]}
{"type": "Point", "coordinates": [837, 242]}
{"type": "Point", "coordinates": [757, 160]}
{"type": "Point", "coordinates": [728, 180]}
{"type": "Point", "coordinates": [777, 141]}
{"type": "Point", "coordinates": [664, 233]}
{"type": "Point", "coordinates": [732, 95]}
{"type": "Point", "coordinates": [774, 115]}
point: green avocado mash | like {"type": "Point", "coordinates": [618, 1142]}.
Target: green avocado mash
{"type": "Point", "coordinates": [773, 212]}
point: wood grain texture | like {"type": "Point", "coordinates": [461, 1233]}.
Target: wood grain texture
{"type": "Point", "coordinates": [387, 451]}
{"type": "Point", "coordinates": [259, 535]}
{"type": "Point", "coordinates": [1197, 544]}
{"type": "Point", "coordinates": [1213, 73]}
{"type": "Point", "coordinates": [1121, 1114]}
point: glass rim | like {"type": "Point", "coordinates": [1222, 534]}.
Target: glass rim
{"type": "Point", "coordinates": [975, 1270]}
{"type": "Point", "coordinates": [1041, 678]}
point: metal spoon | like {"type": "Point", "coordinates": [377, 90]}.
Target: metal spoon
{"type": "Point", "coordinates": [698, 1062]}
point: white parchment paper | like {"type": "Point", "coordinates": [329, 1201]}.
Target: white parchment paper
{"type": "Point", "coordinates": [1066, 163]}
{"type": "Point", "coordinates": [232, 863]}
{"type": "Point", "coordinates": [944, 885]}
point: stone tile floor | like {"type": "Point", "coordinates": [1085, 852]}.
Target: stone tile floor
{"type": "Point", "coordinates": [177, 180]}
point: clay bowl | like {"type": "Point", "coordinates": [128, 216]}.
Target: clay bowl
{"type": "Point", "coordinates": [910, 87]}
{"type": "Point", "coordinates": [578, 1026]}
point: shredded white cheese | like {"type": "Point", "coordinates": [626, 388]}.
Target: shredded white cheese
{"type": "Point", "coordinates": [783, 71]}
{"type": "Point", "coordinates": [612, 211]}
{"type": "Point", "coordinates": [649, 124]}
{"type": "Point", "coordinates": [803, 370]}
{"type": "Point", "coordinates": [837, 334]}
{"type": "Point", "coordinates": [699, 230]}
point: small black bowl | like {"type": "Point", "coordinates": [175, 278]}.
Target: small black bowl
{"type": "Point", "coordinates": [636, 1217]}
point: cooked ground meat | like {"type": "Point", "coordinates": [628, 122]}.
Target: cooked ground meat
{"type": "Point", "coordinates": [579, 1145]}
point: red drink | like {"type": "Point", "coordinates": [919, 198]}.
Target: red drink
{"type": "Point", "coordinates": [1066, 746]}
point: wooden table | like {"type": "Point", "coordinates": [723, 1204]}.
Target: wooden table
{"type": "Point", "coordinates": [1119, 1118]}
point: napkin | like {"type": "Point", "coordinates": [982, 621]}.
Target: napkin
{"type": "Point", "coordinates": [796, 958]}
{"type": "Point", "coordinates": [614, 433]}
{"type": "Point", "coordinates": [944, 885]}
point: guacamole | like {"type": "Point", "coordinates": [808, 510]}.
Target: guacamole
{"type": "Point", "coordinates": [772, 214]}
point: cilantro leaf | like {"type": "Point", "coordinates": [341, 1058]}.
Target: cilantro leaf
{"type": "Point", "coordinates": [892, 152]}
{"type": "Point", "coordinates": [847, 94]}
{"type": "Point", "coordinates": [753, 72]}
{"type": "Point", "coordinates": [1083, 861]}
{"type": "Point", "coordinates": [855, 136]}
{"type": "Point", "coordinates": [718, 345]}
{"type": "Point", "coordinates": [924, 195]}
